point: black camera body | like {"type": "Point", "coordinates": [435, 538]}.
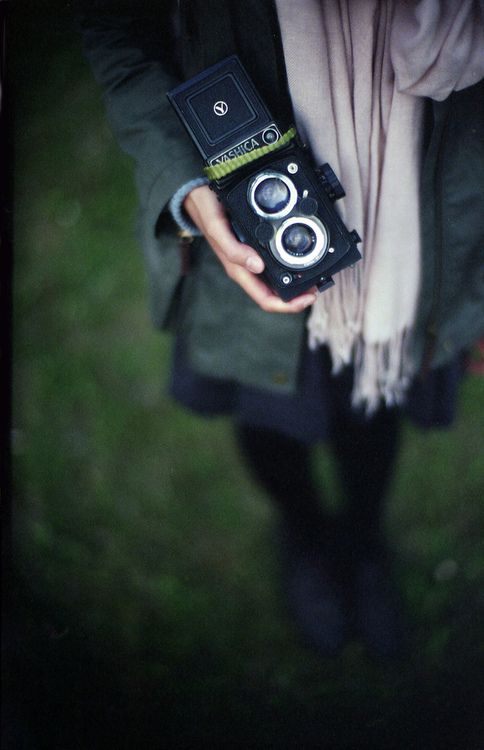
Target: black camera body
{"type": "Point", "coordinates": [276, 200]}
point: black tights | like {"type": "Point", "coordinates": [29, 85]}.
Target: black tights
{"type": "Point", "coordinates": [365, 452]}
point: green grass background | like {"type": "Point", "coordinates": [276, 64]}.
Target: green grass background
{"type": "Point", "coordinates": [147, 612]}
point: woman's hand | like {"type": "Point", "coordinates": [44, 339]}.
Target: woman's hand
{"type": "Point", "coordinates": [241, 262]}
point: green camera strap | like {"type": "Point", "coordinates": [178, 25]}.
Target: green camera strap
{"type": "Point", "coordinates": [217, 171]}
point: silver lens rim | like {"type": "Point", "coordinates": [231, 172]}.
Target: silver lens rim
{"type": "Point", "coordinates": [320, 246]}
{"type": "Point", "coordinates": [287, 182]}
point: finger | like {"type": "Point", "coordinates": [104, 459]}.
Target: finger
{"type": "Point", "coordinates": [260, 293]}
{"type": "Point", "coordinates": [220, 234]}
{"type": "Point", "coordinates": [208, 214]}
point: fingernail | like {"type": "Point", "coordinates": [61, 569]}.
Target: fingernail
{"type": "Point", "coordinates": [254, 264]}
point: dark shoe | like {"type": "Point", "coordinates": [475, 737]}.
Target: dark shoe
{"type": "Point", "coordinates": [378, 611]}
{"type": "Point", "coordinates": [314, 595]}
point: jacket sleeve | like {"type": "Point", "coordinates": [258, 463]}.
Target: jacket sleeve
{"type": "Point", "coordinates": [130, 47]}
{"type": "Point", "coordinates": [131, 52]}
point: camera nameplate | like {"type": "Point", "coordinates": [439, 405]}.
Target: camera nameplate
{"type": "Point", "coordinates": [248, 144]}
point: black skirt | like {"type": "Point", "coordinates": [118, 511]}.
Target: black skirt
{"type": "Point", "coordinates": [307, 415]}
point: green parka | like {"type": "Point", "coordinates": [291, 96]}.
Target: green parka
{"type": "Point", "coordinates": [139, 51]}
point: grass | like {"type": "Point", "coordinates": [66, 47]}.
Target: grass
{"type": "Point", "coordinates": [147, 612]}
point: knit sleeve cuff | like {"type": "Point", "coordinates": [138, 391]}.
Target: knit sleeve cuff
{"type": "Point", "coordinates": [176, 206]}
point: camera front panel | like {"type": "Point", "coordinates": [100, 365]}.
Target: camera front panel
{"type": "Point", "coordinates": [282, 210]}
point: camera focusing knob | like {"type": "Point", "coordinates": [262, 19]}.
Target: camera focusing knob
{"type": "Point", "coordinates": [264, 232]}
{"type": "Point", "coordinates": [330, 182]}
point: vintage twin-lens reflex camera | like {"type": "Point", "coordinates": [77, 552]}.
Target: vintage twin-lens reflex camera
{"type": "Point", "coordinates": [276, 200]}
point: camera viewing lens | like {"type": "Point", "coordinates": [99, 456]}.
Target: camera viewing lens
{"type": "Point", "coordinates": [271, 195]}
{"type": "Point", "coordinates": [298, 239]}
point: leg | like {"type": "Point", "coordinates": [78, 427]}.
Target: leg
{"type": "Point", "coordinates": [366, 451]}
{"type": "Point", "coordinates": [311, 582]}
{"type": "Point", "coordinates": [282, 466]}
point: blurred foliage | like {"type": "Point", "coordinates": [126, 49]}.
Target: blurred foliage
{"type": "Point", "coordinates": [147, 609]}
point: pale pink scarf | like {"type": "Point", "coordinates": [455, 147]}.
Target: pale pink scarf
{"type": "Point", "coordinates": [357, 72]}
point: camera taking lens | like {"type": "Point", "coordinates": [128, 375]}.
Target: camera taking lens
{"type": "Point", "coordinates": [300, 242]}
{"type": "Point", "coordinates": [298, 239]}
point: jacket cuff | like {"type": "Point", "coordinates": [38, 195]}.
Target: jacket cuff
{"type": "Point", "coordinates": [176, 206]}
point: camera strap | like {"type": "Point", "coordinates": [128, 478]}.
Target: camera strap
{"type": "Point", "coordinates": [217, 171]}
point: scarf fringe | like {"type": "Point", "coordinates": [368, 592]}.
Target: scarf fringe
{"type": "Point", "coordinates": [335, 317]}
{"type": "Point", "coordinates": [383, 373]}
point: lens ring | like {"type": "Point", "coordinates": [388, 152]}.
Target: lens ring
{"type": "Point", "coordinates": [320, 243]}
{"type": "Point", "coordinates": [255, 186]}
